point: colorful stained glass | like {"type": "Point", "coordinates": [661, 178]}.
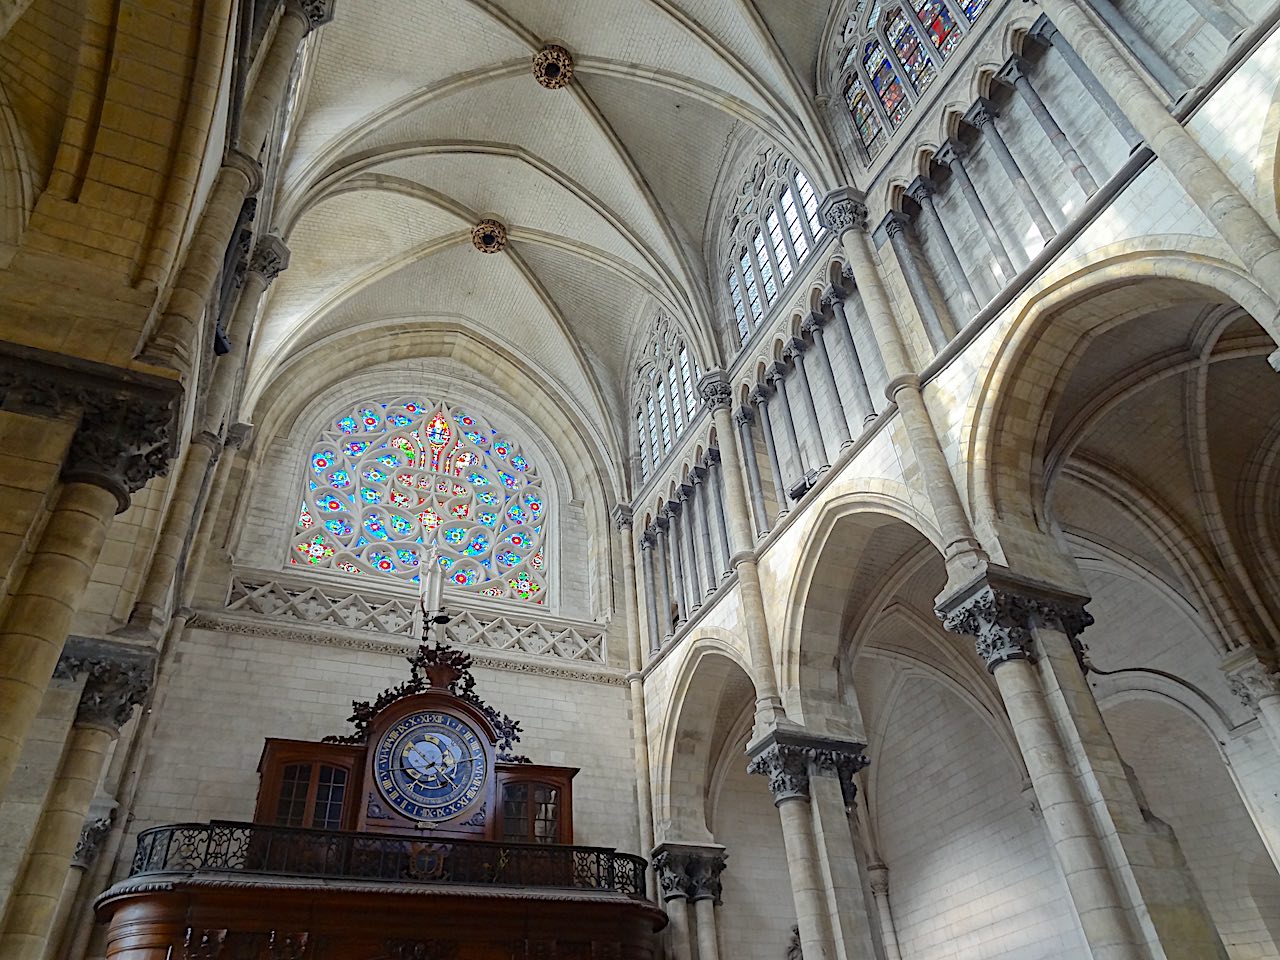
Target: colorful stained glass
{"type": "Point", "coordinates": [938, 24]}
{"type": "Point", "coordinates": [865, 120]}
{"type": "Point", "coordinates": [435, 464]}
{"type": "Point", "coordinates": [885, 82]}
{"type": "Point", "coordinates": [915, 62]}
{"type": "Point", "coordinates": [973, 8]}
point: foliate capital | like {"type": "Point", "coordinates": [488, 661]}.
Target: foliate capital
{"type": "Point", "coordinates": [921, 189]}
{"type": "Point", "coordinates": [775, 374]}
{"type": "Point", "coordinates": [896, 223]}
{"type": "Point", "coordinates": [843, 210]}
{"type": "Point", "coordinates": [1013, 70]}
{"type": "Point", "coordinates": [981, 113]}
{"type": "Point", "coordinates": [760, 395]}
{"type": "Point", "coordinates": [315, 13]}
{"type": "Point", "coordinates": [672, 509]}
{"type": "Point", "coordinates": [691, 871]}
{"type": "Point", "coordinates": [950, 153]}
{"type": "Point", "coordinates": [697, 475]}
{"type": "Point", "coordinates": [812, 322]}
{"type": "Point", "coordinates": [238, 435]}
{"type": "Point", "coordinates": [712, 459]}
{"type": "Point", "coordinates": [648, 539]}
{"type": "Point", "coordinates": [684, 492]}
{"type": "Point", "coordinates": [623, 516]}
{"type": "Point", "coordinates": [1252, 682]}
{"type": "Point", "coordinates": [270, 258]}
{"type": "Point", "coordinates": [744, 415]}
{"type": "Point", "coordinates": [998, 611]}
{"type": "Point", "coordinates": [789, 760]}
{"type": "Point", "coordinates": [716, 391]}
{"type": "Point", "coordinates": [794, 347]}
{"type": "Point", "coordinates": [126, 432]}
{"type": "Point", "coordinates": [833, 295]}
{"type": "Point", "coordinates": [91, 836]}
{"type": "Point", "coordinates": [118, 679]}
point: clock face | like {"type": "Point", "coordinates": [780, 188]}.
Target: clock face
{"type": "Point", "coordinates": [431, 766]}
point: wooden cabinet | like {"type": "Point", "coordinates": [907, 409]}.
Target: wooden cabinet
{"type": "Point", "coordinates": [535, 804]}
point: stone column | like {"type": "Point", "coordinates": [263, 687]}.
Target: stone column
{"type": "Point", "coordinates": [863, 406]}
{"type": "Point", "coordinates": [982, 116]}
{"type": "Point", "coordinates": [896, 225]}
{"type": "Point", "coordinates": [270, 258]}
{"type": "Point", "coordinates": [1044, 31]}
{"type": "Point", "coordinates": [790, 760]}
{"type": "Point", "coordinates": [744, 417]}
{"type": "Point", "coordinates": [951, 156]}
{"type": "Point", "coordinates": [1026, 633]}
{"type": "Point", "coordinates": [921, 190]}
{"type": "Point", "coordinates": [879, 876]}
{"type": "Point", "coordinates": [678, 589]}
{"type": "Point", "coordinates": [760, 397]}
{"type": "Point", "coordinates": [693, 870]}
{"type": "Point", "coordinates": [717, 394]}
{"type": "Point", "coordinates": [1220, 200]}
{"type": "Point", "coordinates": [647, 543]}
{"type": "Point", "coordinates": [813, 325]}
{"type": "Point", "coordinates": [92, 834]}
{"type": "Point", "coordinates": [692, 569]}
{"type": "Point", "coordinates": [673, 884]}
{"type": "Point", "coordinates": [777, 377]}
{"type": "Point", "coordinates": [118, 680]}
{"type": "Point", "coordinates": [1258, 688]}
{"type": "Point", "coordinates": [122, 442]}
{"type": "Point", "coordinates": [794, 351]}
{"type": "Point", "coordinates": [715, 490]}
{"type": "Point", "coordinates": [845, 215]}
{"type": "Point", "coordinates": [701, 498]}
{"type": "Point", "coordinates": [624, 519]}
{"type": "Point", "coordinates": [1014, 74]}
{"type": "Point", "coordinates": [666, 587]}
{"type": "Point", "coordinates": [1147, 55]}
{"type": "Point", "coordinates": [208, 530]}
{"type": "Point", "coordinates": [174, 341]}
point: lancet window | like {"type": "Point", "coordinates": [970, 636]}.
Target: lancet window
{"type": "Point", "coordinates": [388, 480]}
{"type": "Point", "coordinates": [890, 52]}
{"type": "Point", "coordinates": [666, 401]}
{"type": "Point", "coordinates": [772, 226]}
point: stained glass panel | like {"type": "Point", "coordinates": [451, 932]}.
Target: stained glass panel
{"type": "Point", "coordinates": [938, 24]}
{"type": "Point", "coordinates": [388, 478]}
{"type": "Point", "coordinates": [795, 228]}
{"type": "Point", "coordinates": [919, 69]}
{"type": "Point", "coordinates": [739, 308]}
{"type": "Point", "coordinates": [973, 8]}
{"type": "Point", "coordinates": [885, 82]}
{"type": "Point", "coordinates": [766, 268]}
{"type": "Point", "coordinates": [870, 129]}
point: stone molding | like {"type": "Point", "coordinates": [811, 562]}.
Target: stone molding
{"type": "Point", "coordinates": [981, 113]}
{"type": "Point", "coordinates": [623, 516]}
{"type": "Point", "coordinates": [127, 420]}
{"type": "Point", "coordinates": [999, 609]}
{"type": "Point", "coordinates": [119, 677]}
{"type": "Point", "coordinates": [270, 257]}
{"type": "Point", "coordinates": [790, 759]}
{"type": "Point", "coordinates": [744, 415]}
{"type": "Point", "coordinates": [689, 870]}
{"type": "Point", "coordinates": [91, 836]}
{"type": "Point", "coordinates": [921, 189]}
{"type": "Point", "coordinates": [316, 13]}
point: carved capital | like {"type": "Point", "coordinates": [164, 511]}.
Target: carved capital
{"type": "Point", "coordinates": [1013, 70]}
{"type": "Point", "coordinates": [270, 258]}
{"type": "Point", "coordinates": [921, 190]}
{"type": "Point", "coordinates": [91, 836]}
{"type": "Point", "coordinates": [1252, 682]}
{"type": "Point", "coordinates": [981, 113]}
{"type": "Point", "coordinates": [126, 420]}
{"type": "Point", "coordinates": [998, 611]}
{"type": "Point", "coordinates": [843, 210]}
{"type": "Point", "coordinates": [744, 415]}
{"type": "Point", "coordinates": [775, 374]}
{"type": "Point", "coordinates": [760, 395]}
{"type": "Point", "coordinates": [951, 154]}
{"type": "Point", "coordinates": [623, 516]}
{"type": "Point", "coordinates": [238, 435]}
{"type": "Point", "coordinates": [119, 678]}
{"type": "Point", "coordinates": [248, 167]}
{"type": "Point", "coordinates": [672, 510]}
{"type": "Point", "coordinates": [812, 323]}
{"type": "Point", "coordinates": [648, 539]}
{"type": "Point", "coordinates": [896, 223]}
{"type": "Point", "coordinates": [314, 13]}
{"type": "Point", "coordinates": [684, 492]}
{"type": "Point", "coordinates": [691, 871]}
{"type": "Point", "coordinates": [716, 391]}
{"type": "Point", "coordinates": [712, 458]}
{"type": "Point", "coordinates": [697, 475]}
{"type": "Point", "coordinates": [833, 295]}
{"type": "Point", "coordinates": [878, 878]}
{"type": "Point", "coordinates": [789, 760]}
{"type": "Point", "coordinates": [794, 348]}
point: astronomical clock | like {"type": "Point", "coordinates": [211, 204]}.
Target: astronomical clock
{"type": "Point", "coordinates": [427, 755]}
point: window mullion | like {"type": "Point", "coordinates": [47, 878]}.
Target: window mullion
{"type": "Point", "coordinates": [904, 78]}
{"type": "Point", "coordinates": [786, 233]}
{"type": "Point", "coordinates": [874, 98]}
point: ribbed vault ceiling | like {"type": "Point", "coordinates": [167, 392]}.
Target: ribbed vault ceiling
{"type": "Point", "coordinates": [417, 120]}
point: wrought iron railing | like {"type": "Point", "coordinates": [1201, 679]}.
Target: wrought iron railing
{"type": "Point", "coordinates": [248, 848]}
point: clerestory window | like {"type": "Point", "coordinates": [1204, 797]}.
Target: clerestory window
{"type": "Point", "coordinates": [665, 393]}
